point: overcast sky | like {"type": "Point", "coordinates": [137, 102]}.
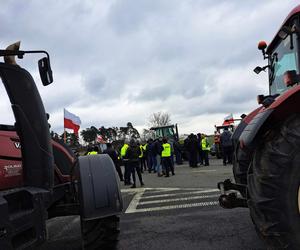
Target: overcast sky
{"type": "Point", "coordinates": [116, 61]}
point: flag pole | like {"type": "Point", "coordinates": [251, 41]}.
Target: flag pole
{"type": "Point", "coordinates": [65, 136]}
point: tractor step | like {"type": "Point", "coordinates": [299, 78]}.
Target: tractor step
{"type": "Point", "coordinates": [230, 199]}
{"type": "Point", "coordinates": [23, 218]}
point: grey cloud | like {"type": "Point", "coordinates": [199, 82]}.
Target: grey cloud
{"type": "Point", "coordinates": [146, 51]}
{"type": "Point", "coordinates": [95, 84]}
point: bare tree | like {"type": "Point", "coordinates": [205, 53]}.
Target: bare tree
{"type": "Point", "coordinates": [159, 119]}
{"type": "Point", "coordinates": [147, 134]}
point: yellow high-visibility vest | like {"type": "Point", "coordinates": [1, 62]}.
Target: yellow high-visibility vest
{"type": "Point", "coordinates": [142, 153]}
{"type": "Point", "coordinates": [204, 144]}
{"type": "Point", "coordinates": [167, 150]}
{"type": "Point", "coordinates": [93, 153]}
{"type": "Point", "coordinates": [124, 149]}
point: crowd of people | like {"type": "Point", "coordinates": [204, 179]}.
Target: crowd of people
{"type": "Point", "coordinates": [157, 156]}
{"type": "Point", "coordinates": [154, 156]}
{"type": "Point", "coordinates": [198, 148]}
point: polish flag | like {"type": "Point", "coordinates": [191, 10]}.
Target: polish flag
{"type": "Point", "coordinates": [100, 139]}
{"type": "Point", "coordinates": [228, 120]}
{"type": "Point", "coordinates": [71, 121]}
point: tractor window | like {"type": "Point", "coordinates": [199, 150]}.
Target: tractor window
{"type": "Point", "coordinates": [169, 132]}
{"type": "Point", "coordinates": [158, 133]}
{"type": "Point", "coordinates": [164, 132]}
{"type": "Point", "coordinates": [283, 58]}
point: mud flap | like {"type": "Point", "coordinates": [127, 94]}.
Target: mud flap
{"type": "Point", "coordinates": [99, 190]}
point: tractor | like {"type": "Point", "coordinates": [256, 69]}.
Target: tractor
{"type": "Point", "coordinates": [166, 131]}
{"type": "Point", "coordinates": [267, 145]}
{"type": "Point", "coordinates": [41, 178]}
{"type": "Point", "coordinates": [171, 133]}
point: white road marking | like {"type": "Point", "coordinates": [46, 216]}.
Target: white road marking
{"type": "Point", "coordinates": [183, 193]}
{"type": "Point", "coordinates": [200, 204]}
{"type": "Point", "coordinates": [204, 171]}
{"type": "Point", "coordinates": [132, 190]}
{"type": "Point", "coordinates": [135, 201]}
{"type": "Point", "coordinates": [179, 199]}
{"type": "Point", "coordinates": [141, 199]}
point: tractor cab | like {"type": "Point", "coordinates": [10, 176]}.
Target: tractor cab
{"type": "Point", "coordinates": [283, 61]}
{"type": "Point", "coordinates": [169, 131]}
{"type": "Point", "coordinates": [220, 129]}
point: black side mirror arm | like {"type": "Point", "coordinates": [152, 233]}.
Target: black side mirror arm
{"type": "Point", "coordinates": [20, 53]}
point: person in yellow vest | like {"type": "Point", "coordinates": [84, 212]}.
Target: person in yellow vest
{"type": "Point", "coordinates": [205, 149]}
{"type": "Point", "coordinates": [94, 151]}
{"type": "Point", "coordinates": [132, 154]}
{"type": "Point", "coordinates": [142, 158]}
{"type": "Point", "coordinates": [166, 157]}
{"type": "Point", "coordinates": [125, 163]}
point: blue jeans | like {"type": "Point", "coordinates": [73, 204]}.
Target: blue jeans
{"type": "Point", "coordinates": [153, 163]}
{"type": "Point", "coordinates": [158, 164]}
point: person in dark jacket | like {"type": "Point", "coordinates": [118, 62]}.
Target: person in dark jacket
{"type": "Point", "coordinates": [114, 156]}
{"type": "Point", "coordinates": [178, 153]}
{"type": "Point", "coordinates": [200, 153]}
{"type": "Point", "coordinates": [192, 147]}
{"type": "Point", "coordinates": [149, 156]}
{"type": "Point", "coordinates": [153, 155]}
{"type": "Point", "coordinates": [157, 151]}
{"type": "Point", "coordinates": [226, 144]}
{"type": "Point", "coordinates": [132, 155]}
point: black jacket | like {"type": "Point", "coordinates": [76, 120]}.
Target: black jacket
{"type": "Point", "coordinates": [133, 152]}
{"type": "Point", "coordinates": [112, 153]}
{"type": "Point", "coordinates": [225, 139]}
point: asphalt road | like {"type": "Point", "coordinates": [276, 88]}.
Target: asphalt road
{"type": "Point", "coordinates": [180, 212]}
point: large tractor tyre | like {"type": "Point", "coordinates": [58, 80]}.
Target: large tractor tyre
{"type": "Point", "coordinates": [274, 186]}
{"type": "Point", "coordinates": [100, 233]}
{"type": "Point", "coordinates": [241, 163]}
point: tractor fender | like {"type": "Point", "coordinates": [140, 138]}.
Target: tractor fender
{"type": "Point", "coordinates": [285, 105]}
{"type": "Point", "coordinates": [251, 130]}
{"type": "Point", "coordinates": [98, 187]}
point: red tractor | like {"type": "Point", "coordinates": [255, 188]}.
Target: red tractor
{"type": "Point", "coordinates": [41, 178]}
{"type": "Point", "coordinates": [267, 145]}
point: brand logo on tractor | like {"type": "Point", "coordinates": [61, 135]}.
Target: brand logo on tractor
{"type": "Point", "coordinates": [17, 145]}
{"type": "Point", "coordinates": [12, 170]}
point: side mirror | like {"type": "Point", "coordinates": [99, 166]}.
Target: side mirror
{"type": "Point", "coordinates": [45, 71]}
{"type": "Point", "coordinates": [260, 99]}
{"type": "Point", "coordinates": [259, 69]}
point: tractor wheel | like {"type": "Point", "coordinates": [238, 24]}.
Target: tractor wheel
{"type": "Point", "coordinates": [274, 186]}
{"type": "Point", "coordinates": [100, 233]}
{"type": "Point", "coordinates": [241, 162]}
